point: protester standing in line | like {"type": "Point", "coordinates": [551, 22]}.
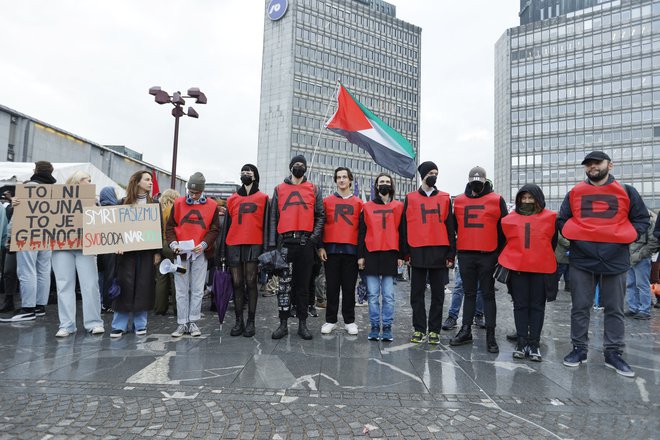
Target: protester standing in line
{"type": "Point", "coordinates": [296, 222]}
{"type": "Point", "coordinates": [135, 270]}
{"type": "Point", "coordinates": [339, 251]}
{"type": "Point", "coordinates": [477, 216]}
{"type": "Point", "coordinates": [429, 239]}
{"type": "Point", "coordinates": [33, 267]}
{"type": "Point", "coordinates": [193, 217]}
{"type": "Point", "coordinates": [531, 235]}
{"type": "Point", "coordinates": [638, 290]}
{"type": "Point", "coordinates": [9, 277]}
{"type": "Point", "coordinates": [378, 254]}
{"type": "Point", "coordinates": [165, 290]}
{"type": "Point", "coordinates": [246, 233]}
{"type": "Point", "coordinates": [107, 262]}
{"type": "Point", "coordinates": [601, 217]}
{"type": "Point", "coordinates": [66, 265]}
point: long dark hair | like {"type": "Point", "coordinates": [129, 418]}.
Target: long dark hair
{"type": "Point", "coordinates": [132, 188]}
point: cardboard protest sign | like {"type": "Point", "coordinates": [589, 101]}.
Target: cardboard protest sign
{"type": "Point", "coordinates": [108, 229]}
{"type": "Point", "coordinates": [49, 217]}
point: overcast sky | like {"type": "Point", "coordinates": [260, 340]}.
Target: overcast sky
{"type": "Point", "coordinates": [86, 67]}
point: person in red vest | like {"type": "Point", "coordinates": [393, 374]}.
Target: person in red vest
{"type": "Point", "coordinates": [429, 238]}
{"type": "Point", "coordinates": [531, 236]}
{"type": "Point", "coordinates": [245, 234]}
{"type": "Point", "coordinates": [195, 218]}
{"type": "Point", "coordinates": [339, 251]}
{"type": "Point", "coordinates": [601, 217]}
{"type": "Point", "coordinates": [477, 216]}
{"type": "Point", "coordinates": [296, 222]}
{"type": "Point", "coordinates": [378, 254]}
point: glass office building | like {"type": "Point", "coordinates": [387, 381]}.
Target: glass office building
{"type": "Point", "coordinates": [310, 45]}
{"type": "Point", "coordinates": [586, 80]}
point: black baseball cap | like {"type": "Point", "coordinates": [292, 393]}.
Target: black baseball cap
{"type": "Point", "coordinates": [596, 155]}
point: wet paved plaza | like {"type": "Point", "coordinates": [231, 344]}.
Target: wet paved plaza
{"type": "Point", "coordinates": [335, 386]}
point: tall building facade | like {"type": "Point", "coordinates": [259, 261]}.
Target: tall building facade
{"type": "Point", "coordinates": [566, 85]}
{"type": "Point", "coordinates": [310, 45]}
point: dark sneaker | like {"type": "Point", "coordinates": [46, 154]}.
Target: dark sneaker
{"type": "Point", "coordinates": [19, 315]}
{"type": "Point", "coordinates": [642, 316]}
{"type": "Point", "coordinates": [479, 321]}
{"type": "Point", "coordinates": [387, 334]}
{"type": "Point", "coordinates": [614, 360]}
{"type": "Point", "coordinates": [534, 352]}
{"type": "Point", "coordinates": [116, 333]}
{"type": "Point", "coordinates": [40, 310]}
{"type": "Point", "coordinates": [576, 357]}
{"type": "Point", "coordinates": [417, 337]}
{"type": "Point", "coordinates": [312, 311]}
{"type": "Point", "coordinates": [521, 349]}
{"type": "Point", "coordinates": [374, 334]}
{"type": "Point", "coordinates": [629, 313]}
{"type": "Point", "coordinates": [434, 338]}
{"type": "Point", "coordinates": [449, 324]}
{"type": "Point", "coordinates": [464, 336]}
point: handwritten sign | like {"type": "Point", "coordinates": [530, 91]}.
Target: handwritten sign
{"type": "Point", "coordinates": [49, 217]}
{"type": "Point", "coordinates": [108, 229]}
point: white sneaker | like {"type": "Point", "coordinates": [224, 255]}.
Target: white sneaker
{"type": "Point", "coordinates": [181, 330]}
{"type": "Point", "coordinates": [194, 330]}
{"type": "Point", "coordinates": [327, 328]}
{"type": "Point", "coordinates": [351, 328]}
{"type": "Point", "coordinates": [62, 333]}
{"type": "Point", "coordinates": [97, 330]}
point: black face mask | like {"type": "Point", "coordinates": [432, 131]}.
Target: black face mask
{"type": "Point", "coordinates": [527, 208]}
{"type": "Point", "coordinates": [298, 171]}
{"type": "Point", "coordinates": [246, 180]}
{"type": "Point", "coordinates": [430, 180]}
{"type": "Point", "coordinates": [384, 190]}
{"type": "Point", "coordinates": [477, 187]}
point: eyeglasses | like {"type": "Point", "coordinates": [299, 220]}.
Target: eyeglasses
{"type": "Point", "coordinates": [194, 193]}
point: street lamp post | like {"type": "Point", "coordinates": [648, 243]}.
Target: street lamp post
{"type": "Point", "coordinates": [178, 101]}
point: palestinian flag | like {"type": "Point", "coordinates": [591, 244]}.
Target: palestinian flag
{"type": "Point", "coordinates": [361, 127]}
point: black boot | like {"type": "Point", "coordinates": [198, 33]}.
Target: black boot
{"type": "Point", "coordinates": [239, 327]}
{"type": "Point", "coordinates": [491, 343]}
{"type": "Point", "coordinates": [282, 330]}
{"type": "Point", "coordinates": [9, 304]}
{"type": "Point", "coordinates": [249, 328]}
{"type": "Point", "coordinates": [464, 336]}
{"type": "Point", "coordinates": [303, 331]}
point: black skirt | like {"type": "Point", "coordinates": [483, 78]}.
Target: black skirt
{"type": "Point", "coordinates": [243, 253]}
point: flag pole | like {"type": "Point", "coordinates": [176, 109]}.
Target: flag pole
{"type": "Point", "coordinates": [325, 118]}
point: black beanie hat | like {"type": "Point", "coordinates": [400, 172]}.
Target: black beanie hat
{"type": "Point", "coordinates": [298, 158]}
{"type": "Point", "coordinates": [250, 167]}
{"type": "Point", "coordinates": [425, 167]}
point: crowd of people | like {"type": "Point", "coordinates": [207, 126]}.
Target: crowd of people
{"type": "Point", "coordinates": [602, 239]}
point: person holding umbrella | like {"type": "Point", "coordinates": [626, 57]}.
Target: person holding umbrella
{"type": "Point", "coordinates": [195, 218]}
{"type": "Point", "coordinates": [245, 234]}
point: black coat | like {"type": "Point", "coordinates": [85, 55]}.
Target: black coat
{"type": "Point", "coordinates": [605, 258]}
{"type": "Point", "coordinates": [136, 274]}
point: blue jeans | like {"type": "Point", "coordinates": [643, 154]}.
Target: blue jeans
{"type": "Point", "coordinates": [120, 320]}
{"type": "Point", "coordinates": [638, 291]}
{"type": "Point", "coordinates": [457, 296]}
{"type": "Point", "coordinates": [378, 285]}
{"type": "Point", "coordinates": [33, 270]}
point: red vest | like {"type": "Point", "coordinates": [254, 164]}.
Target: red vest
{"type": "Point", "coordinates": [477, 222]}
{"type": "Point", "coordinates": [600, 213]}
{"type": "Point", "coordinates": [193, 221]}
{"type": "Point", "coordinates": [247, 218]}
{"type": "Point", "coordinates": [426, 219]}
{"type": "Point", "coordinates": [382, 225]}
{"type": "Point", "coordinates": [342, 217]}
{"type": "Point", "coordinates": [529, 242]}
{"type": "Point", "coordinates": [296, 207]}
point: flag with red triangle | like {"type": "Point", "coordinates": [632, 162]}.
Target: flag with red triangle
{"type": "Point", "coordinates": [360, 126]}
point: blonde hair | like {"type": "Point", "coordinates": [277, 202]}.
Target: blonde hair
{"type": "Point", "coordinates": [169, 196]}
{"type": "Point", "coordinates": [76, 177]}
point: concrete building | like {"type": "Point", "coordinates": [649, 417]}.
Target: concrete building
{"type": "Point", "coordinates": [585, 80]}
{"type": "Point", "coordinates": [26, 139]}
{"type": "Point", "coordinates": [309, 45]}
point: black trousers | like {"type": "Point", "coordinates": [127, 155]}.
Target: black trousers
{"type": "Point", "coordinates": [301, 258]}
{"type": "Point", "coordinates": [437, 279]}
{"type": "Point", "coordinates": [341, 271]}
{"type": "Point", "coordinates": [528, 291]}
{"type": "Point", "coordinates": [9, 277]}
{"type": "Point", "coordinates": [477, 271]}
